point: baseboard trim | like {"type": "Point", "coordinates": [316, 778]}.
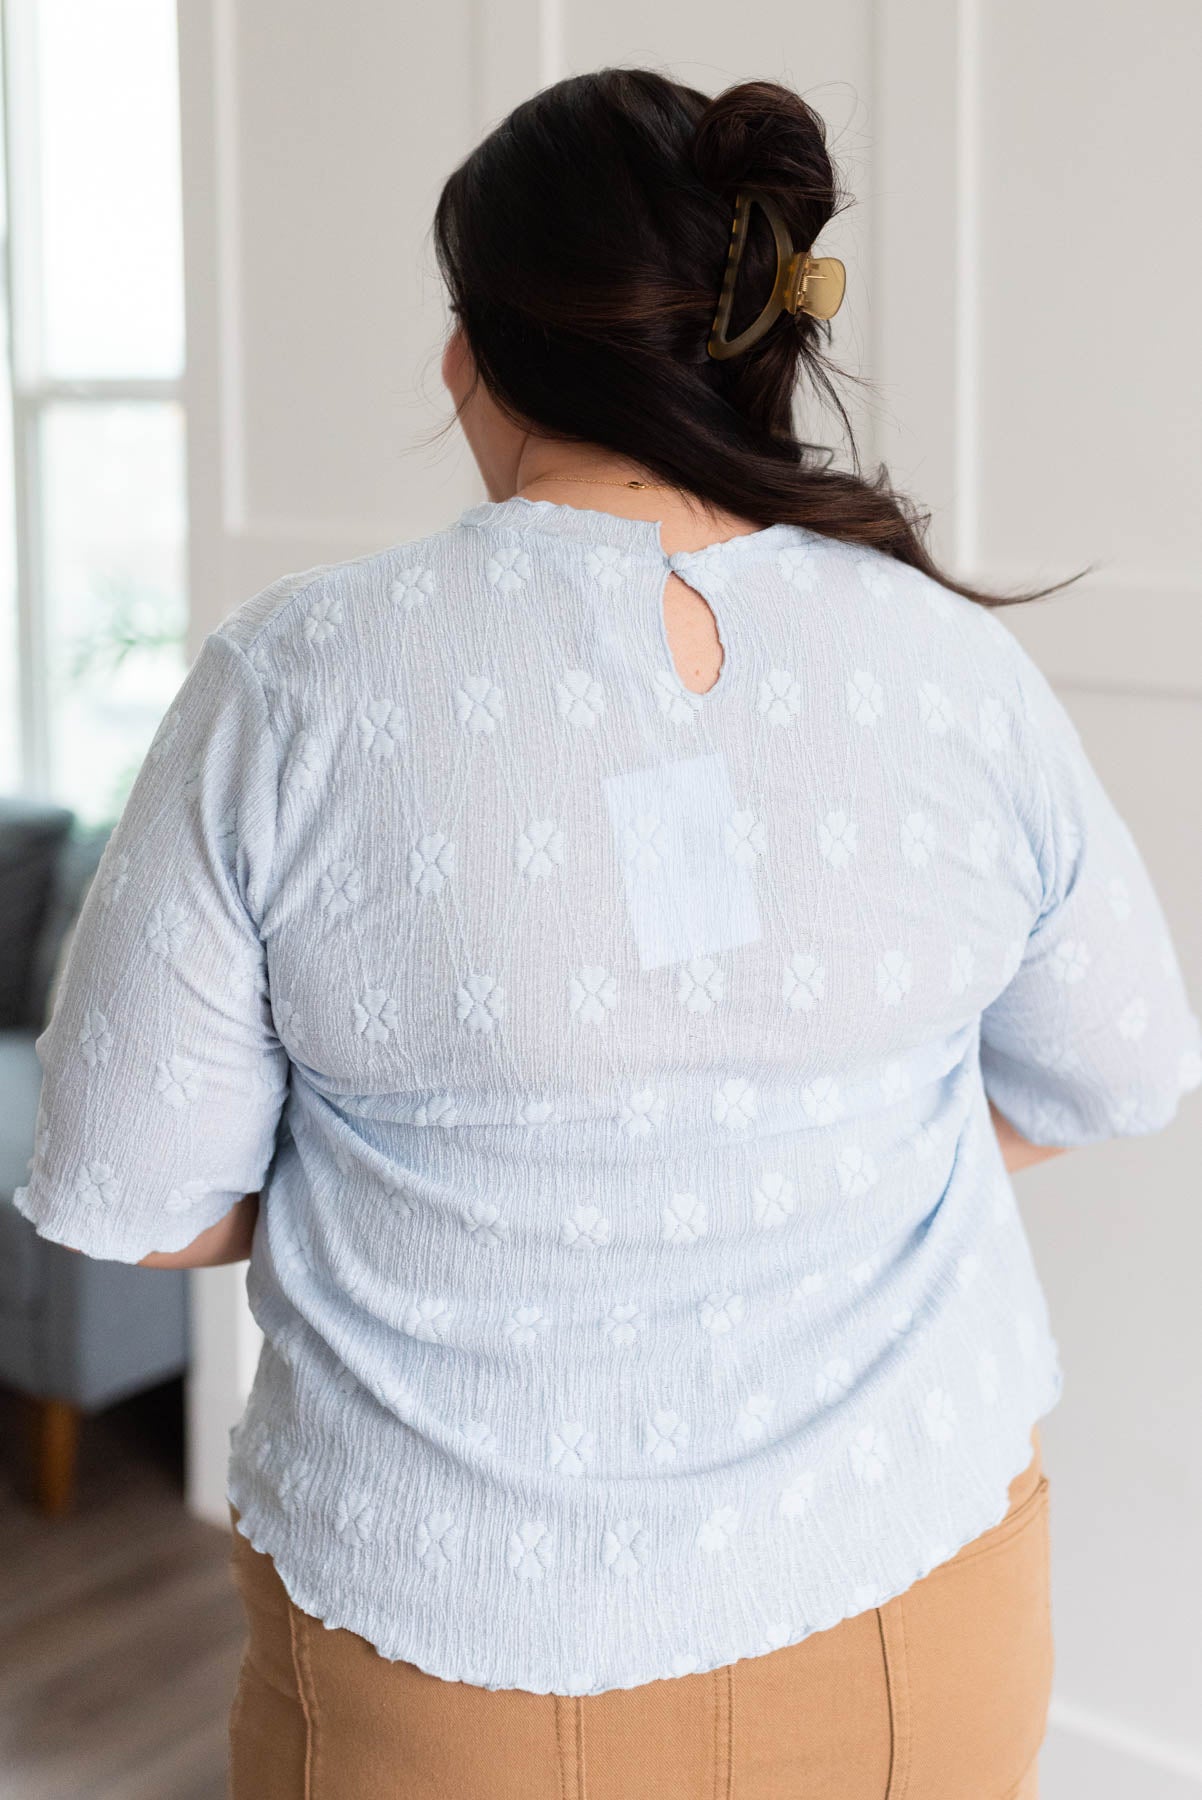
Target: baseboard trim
{"type": "Point", "coordinates": [1174, 1759]}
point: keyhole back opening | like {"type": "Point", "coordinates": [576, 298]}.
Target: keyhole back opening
{"type": "Point", "coordinates": [692, 636]}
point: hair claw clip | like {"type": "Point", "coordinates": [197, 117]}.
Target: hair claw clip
{"type": "Point", "coordinates": [804, 283]}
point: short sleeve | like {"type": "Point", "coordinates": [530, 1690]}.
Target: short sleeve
{"type": "Point", "coordinates": [162, 1077]}
{"type": "Point", "coordinates": [1094, 1036]}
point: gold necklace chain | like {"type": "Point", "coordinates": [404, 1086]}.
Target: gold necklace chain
{"type": "Point", "coordinates": [596, 481]}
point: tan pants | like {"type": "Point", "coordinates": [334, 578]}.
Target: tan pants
{"type": "Point", "coordinates": [939, 1695]}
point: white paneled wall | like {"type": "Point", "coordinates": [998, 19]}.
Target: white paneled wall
{"type": "Point", "coordinates": [1047, 385]}
{"type": "Point", "coordinates": [1023, 271]}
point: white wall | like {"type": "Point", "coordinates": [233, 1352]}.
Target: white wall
{"type": "Point", "coordinates": [1067, 435]}
{"type": "Point", "coordinates": [1023, 271]}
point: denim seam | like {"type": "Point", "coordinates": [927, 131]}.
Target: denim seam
{"type": "Point", "coordinates": [729, 1785]}
{"type": "Point", "coordinates": [563, 1767]}
{"type": "Point", "coordinates": [723, 1786]}
{"type": "Point", "coordinates": [560, 1701]}
{"type": "Point", "coordinates": [304, 1691]}
{"type": "Point", "coordinates": [581, 1777]}
{"type": "Point", "coordinates": [895, 1658]}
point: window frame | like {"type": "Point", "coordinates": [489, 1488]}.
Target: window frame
{"type": "Point", "coordinates": [33, 392]}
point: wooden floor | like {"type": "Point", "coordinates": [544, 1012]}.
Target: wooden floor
{"type": "Point", "coordinates": [120, 1632]}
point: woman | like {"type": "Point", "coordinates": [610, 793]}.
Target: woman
{"type": "Point", "coordinates": [628, 934]}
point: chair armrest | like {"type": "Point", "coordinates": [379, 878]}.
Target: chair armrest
{"type": "Point", "coordinates": [108, 1329]}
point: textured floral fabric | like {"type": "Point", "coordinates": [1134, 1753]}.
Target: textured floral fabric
{"type": "Point", "coordinates": [640, 1282]}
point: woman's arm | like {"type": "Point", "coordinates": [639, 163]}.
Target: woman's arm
{"type": "Point", "coordinates": [146, 1147]}
{"type": "Point", "coordinates": [1017, 1152]}
{"type": "Point", "coordinates": [228, 1241]}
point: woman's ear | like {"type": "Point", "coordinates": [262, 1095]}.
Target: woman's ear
{"type": "Point", "coordinates": [458, 366]}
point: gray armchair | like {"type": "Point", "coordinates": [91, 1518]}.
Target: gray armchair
{"type": "Point", "coordinates": [76, 1334]}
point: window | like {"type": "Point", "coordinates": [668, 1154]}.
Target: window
{"type": "Point", "coordinates": [92, 508]}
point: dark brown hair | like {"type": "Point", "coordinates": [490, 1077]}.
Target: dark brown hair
{"type": "Point", "coordinates": [583, 244]}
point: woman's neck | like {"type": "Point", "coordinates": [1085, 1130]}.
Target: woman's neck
{"type": "Point", "coordinates": [585, 475]}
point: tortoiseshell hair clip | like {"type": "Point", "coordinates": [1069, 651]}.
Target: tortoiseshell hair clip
{"type": "Point", "coordinates": [804, 283]}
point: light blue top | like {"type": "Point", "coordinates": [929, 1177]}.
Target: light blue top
{"type": "Point", "coordinates": [641, 1284]}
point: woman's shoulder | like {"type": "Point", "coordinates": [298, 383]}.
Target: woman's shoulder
{"type": "Point", "coordinates": [316, 604]}
{"type": "Point", "coordinates": [897, 605]}
{"type": "Point", "coordinates": [910, 593]}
